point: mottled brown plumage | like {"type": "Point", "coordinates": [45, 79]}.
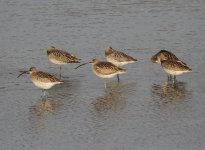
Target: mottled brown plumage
{"type": "Point", "coordinates": [61, 57]}
{"type": "Point", "coordinates": [106, 68]}
{"type": "Point", "coordinates": [42, 79]}
{"type": "Point", "coordinates": [41, 76]}
{"type": "Point", "coordinates": [175, 67]}
{"type": "Point", "coordinates": [118, 58]}
{"type": "Point", "coordinates": [170, 63]}
{"type": "Point", "coordinates": [165, 55]}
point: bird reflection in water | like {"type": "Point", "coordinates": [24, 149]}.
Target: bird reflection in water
{"type": "Point", "coordinates": [168, 91]}
{"type": "Point", "coordinates": [44, 105]}
{"type": "Point", "coordinates": [41, 110]}
{"type": "Point", "coordinates": [113, 99]}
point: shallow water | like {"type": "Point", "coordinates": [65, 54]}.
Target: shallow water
{"type": "Point", "coordinates": [143, 111]}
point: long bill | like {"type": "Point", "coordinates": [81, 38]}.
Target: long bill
{"type": "Point", "coordinates": [22, 72]}
{"type": "Point", "coordinates": [82, 65]}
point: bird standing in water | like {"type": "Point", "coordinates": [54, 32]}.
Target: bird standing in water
{"type": "Point", "coordinates": [118, 58]}
{"type": "Point", "coordinates": [170, 63]}
{"type": "Point", "coordinates": [42, 80]}
{"type": "Point", "coordinates": [104, 69]}
{"type": "Point", "coordinates": [60, 57]}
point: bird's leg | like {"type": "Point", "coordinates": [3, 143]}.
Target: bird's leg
{"type": "Point", "coordinates": [174, 79]}
{"type": "Point", "coordinates": [175, 85]}
{"type": "Point", "coordinates": [44, 93]}
{"type": "Point", "coordinates": [105, 83]}
{"type": "Point", "coordinates": [118, 78]}
{"type": "Point", "coordinates": [60, 71]}
{"type": "Point", "coordinates": [169, 77]}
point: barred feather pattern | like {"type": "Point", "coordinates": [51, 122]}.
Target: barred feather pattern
{"type": "Point", "coordinates": [107, 68]}
{"type": "Point", "coordinates": [115, 56]}
{"type": "Point", "coordinates": [166, 55]}
{"type": "Point", "coordinates": [175, 66]}
{"type": "Point", "coordinates": [120, 56]}
{"type": "Point", "coordinates": [62, 56]}
{"type": "Point", "coordinates": [44, 77]}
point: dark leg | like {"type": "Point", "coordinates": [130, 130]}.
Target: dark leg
{"type": "Point", "coordinates": [44, 93]}
{"type": "Point", "coordinates": [118, 78]}
{"type": "Point", "coordinates": [60, 71]}
{"type": "Point", "coordinates": [174, 79]}
{"type": "Point", "coordinates": [105, 84]}
{"type": "Point", "coordinates": [170, 76]}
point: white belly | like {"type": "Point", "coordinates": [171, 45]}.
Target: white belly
{"type": "Point", "coordinates": [105, 76]}
{"type": "Point", "coordinates": [117, 63]}
{"type": "Point", "coordinates": [124, 63]}
{"type": "Point", "coordinates": [174, 72]}
{"type": "Point", "coordinates": [57, 61]}
{"type": "Point", "coordinates": [44, 85]}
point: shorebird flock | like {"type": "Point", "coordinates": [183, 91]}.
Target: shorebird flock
{"type": "Point", "coordinates": [115, 59]}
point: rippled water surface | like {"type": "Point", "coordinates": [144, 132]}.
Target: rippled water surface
{"type": "Point", "coordinates": [143, 111]}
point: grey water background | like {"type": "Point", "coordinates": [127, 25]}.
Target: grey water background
{"type": "Point", "coordinates": [143, 111]}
